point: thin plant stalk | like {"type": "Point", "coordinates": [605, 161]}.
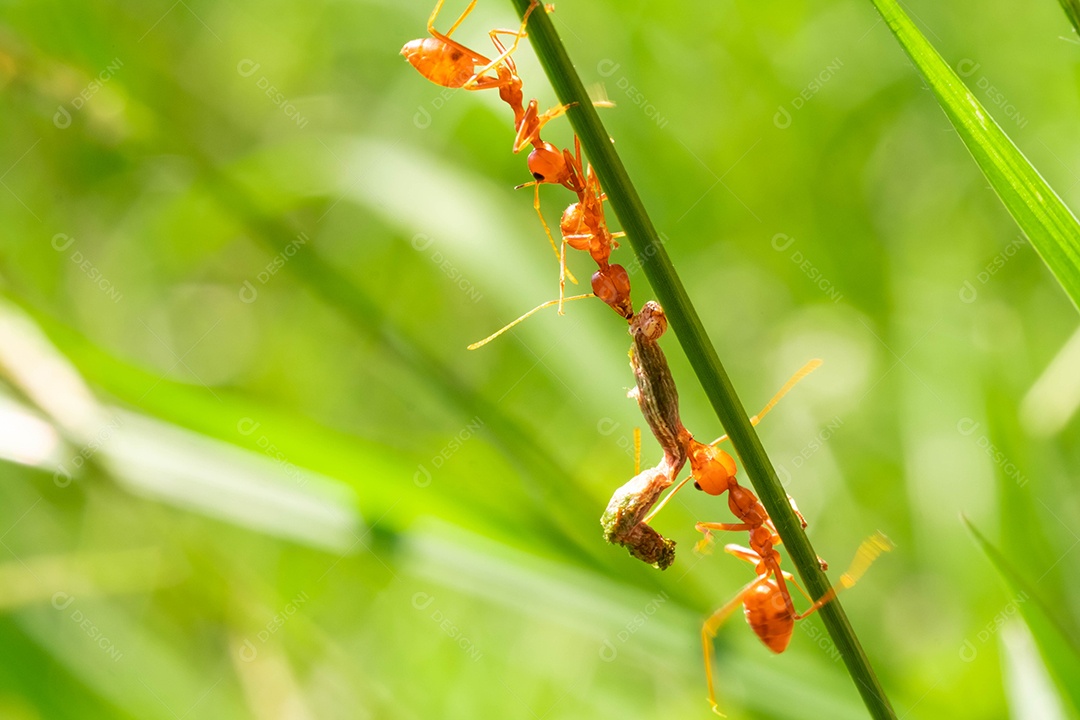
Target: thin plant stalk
{"type": "Point", "coordinates": [684, 320]}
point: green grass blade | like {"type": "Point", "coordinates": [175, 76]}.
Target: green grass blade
{"type": "Point", "coordinates": [1058, 644]}
{"type": "Point", "coordinates": [699, 350]}
{"type": "Point", "coordinates": [1048, 224]}
{"type": "Point", "coordinates": [1072, 9]}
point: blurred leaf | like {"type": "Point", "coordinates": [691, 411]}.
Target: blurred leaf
{"type": "Point", "coordinates": [1053, 632]}
{"type": "Point", "coordinates": [1049, 225]}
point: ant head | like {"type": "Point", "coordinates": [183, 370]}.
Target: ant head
{"type": "Point", "coordinates": [650, 322]}
{"type": "Point", "coordinates": [612, 285]}
{"type": "Point", "coordinates": [713, 469]}
{"type": "Point", "coordinates": [547, 164]}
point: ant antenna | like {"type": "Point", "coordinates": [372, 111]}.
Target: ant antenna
{"type": "Point", "coordinates": [805, 370]}
{"type": "Point", "coordinates": [527, 315]}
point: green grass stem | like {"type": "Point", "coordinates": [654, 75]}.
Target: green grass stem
{"type": "Point", "coordinates": [699, 349]}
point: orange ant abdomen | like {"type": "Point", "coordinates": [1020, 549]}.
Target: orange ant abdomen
{"type": "Point", "coordinates": [768, 615]}
{"type": "Point", "coordinates": [440, 62]}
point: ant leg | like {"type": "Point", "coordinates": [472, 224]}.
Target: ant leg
{"type": "Point", "coordinates": [505, 53]}
{"type": "Point", "coordinates": [527, 130]}
{"type": "Point", "coordinates": [670, 495]}
{"type": "Point", "coordinates": [791, 578]}
{"type": "Point", "coordinates": [795, 508]}
{"type": "Point", "coordinates": [777, 540]}
{"type": "Point", "coordinates": [547, 231]}
{"type": "Point", "coordinates": [743, 553]}
{"type": "Point", "coordinates": [868, 552]}
{"type": "Point", "coordinates": [733, 527]}
{"type": "Point", "coordinates": [774, 567]}
{"type": "Point", "coordinates": [706, 529]}
{"type": "Point", "coordinates": [637, 456]}
{"type": "Point", "coordinates": [562, 274]}
{"type": "Point", "coordinates": [435, 13]}
{"type": "Point", "coordinates": [533, 122]}
{"type": "Point", "coordinates": [708, 632]}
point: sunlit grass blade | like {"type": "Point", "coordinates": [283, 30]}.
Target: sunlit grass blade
{"type": "Point", "coordinates": [1053, 632]}
{"type": "Point", "coordinates": [1048, 224]}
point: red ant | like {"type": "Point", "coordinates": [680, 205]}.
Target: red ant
{"type": "Point", "coordinates": [766, 601]}
{"type": "Point", "coordinates": [447, 62]}
{"type": "Point", "coordinates": [582, 226]}
{"type": "Point", "coordinates": [713, 469]}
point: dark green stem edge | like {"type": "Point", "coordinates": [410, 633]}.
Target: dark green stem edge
{"type": "Point", "coordinates": [699, 349]}
{"type": "Point", "coordinates": [1072, 10]}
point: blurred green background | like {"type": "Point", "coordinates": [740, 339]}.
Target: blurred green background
{"type": "Point", "coordinates": [250, 469]}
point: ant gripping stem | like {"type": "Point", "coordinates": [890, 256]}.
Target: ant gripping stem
{"type": "Point", "coordinates": [768, 614]}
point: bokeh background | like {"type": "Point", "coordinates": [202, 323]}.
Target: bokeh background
{"type": "Point", "coordinates": [251, 471]}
